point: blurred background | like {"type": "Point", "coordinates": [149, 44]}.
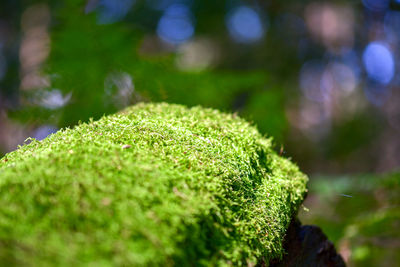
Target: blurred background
{"type": "Point", "coordinates": [320, 77]}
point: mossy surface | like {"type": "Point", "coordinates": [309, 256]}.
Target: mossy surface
{"type": "Point", "coordinates": [156, 184]}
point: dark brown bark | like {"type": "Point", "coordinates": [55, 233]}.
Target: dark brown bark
{"type": "Point", "coordinates": [307, 245]}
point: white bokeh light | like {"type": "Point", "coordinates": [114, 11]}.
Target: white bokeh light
{"type": "Point", "coordinates": [311, 82]}
{"type": "Point", "coordinates": [54, 99]}
{"type": "Point", "coordinates": [339, 76]}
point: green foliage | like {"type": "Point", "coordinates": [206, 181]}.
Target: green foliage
{"type": "Point", "coordinates": [364, 216]}
{"type": "Point", "coordinates": [352, 135]}
{"type": "Point", "coordinates": [84, 54]}
{"type": "Point", "coordinates": [155, 184]}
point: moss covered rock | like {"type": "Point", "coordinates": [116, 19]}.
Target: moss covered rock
{"type": "Point", "coordinates": [155, 184]}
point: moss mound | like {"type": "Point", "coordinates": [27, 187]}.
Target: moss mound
{"type": "Point", "coordinates": [156, 184]}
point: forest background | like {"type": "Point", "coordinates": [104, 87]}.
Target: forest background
{"type": "Point", "coordinates": [320, 77]}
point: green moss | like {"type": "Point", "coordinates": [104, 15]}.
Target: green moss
{"type": "Point", "coordinates": [156, 184]}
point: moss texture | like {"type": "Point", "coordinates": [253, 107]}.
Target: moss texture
{"type": "Point", "coordinates": [156, 184]}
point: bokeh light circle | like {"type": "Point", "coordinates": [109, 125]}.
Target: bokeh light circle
{"type": "Point", "coordinates": [379, 62]}
{"type": "Point", "coordinates": [176, 24]}
{"type": "Point", "coordinates": [245, 25]}
{"type": "Point", "coordinates": [311, 82]}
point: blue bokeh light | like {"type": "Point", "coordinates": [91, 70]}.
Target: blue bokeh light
{"type": "Point", "coordinates": [176, 24]}
{"type": "Point", "coordinates": [376, 5]}
{"type": "Point", "coordinates": [43, 131]}
{"type": "Point", "coordinates": [379, 62]}
{"type": "Point", "coordinates": [110, 11]}
{"type": "Point", "coordinates": [245, 25]}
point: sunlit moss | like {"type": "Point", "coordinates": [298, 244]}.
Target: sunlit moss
{"type": "Point", "coordinates": [155, 184]}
